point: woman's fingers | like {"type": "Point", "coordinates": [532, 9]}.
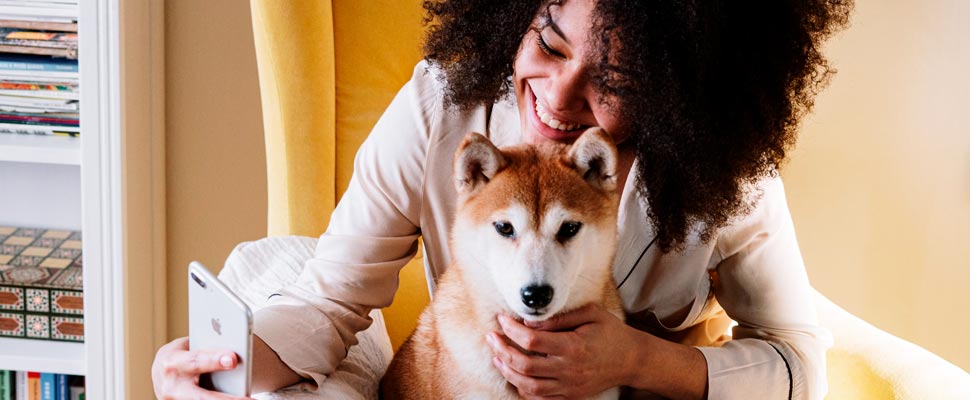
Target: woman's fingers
{"type": "Point", "coordinates": [532, 340]}
{"type": "Point", "coordinates": [198, 362]}
{"type": "Point", "coordinates": [527, 386]}
{"type": "Point", "coordinates": [176, 370]}
{"type": "Point", "coordinates": [531, 365]}
{"type": "Point", "coordinates": [570, 320]}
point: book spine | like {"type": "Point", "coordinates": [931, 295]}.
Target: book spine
{"type": "Point", "coordinates": [38, 25]}
{"type": "Point", "coordinates": [38, 119]}
{"type": "Point", "coordinates": [28, 100]}
{"type": "Point", "coordinates": [6, 387]}
{"type": "Point", "coordinates": [46, 94]}
{"type": "Point", "coordinates": [33, 385]}
{"type": "Point", "coordinates": [62, 387]}
{"type": "Point", "coordinates": [45, 130]}
{"type": "Point", "coordinates": [21, 389]}
{"type": "Point", "coordinates": [77, 393]}
{"type": "Point", "coordinates": [10, 65]}
{"type": "Point", "coordinates": [47, 386]}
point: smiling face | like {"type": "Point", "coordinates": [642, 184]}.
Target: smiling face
{"type": "Point", "coordinates": [556, 98]}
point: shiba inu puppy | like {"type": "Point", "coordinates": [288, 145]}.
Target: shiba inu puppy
{"type": "Point", "coordinates": [534, 236]}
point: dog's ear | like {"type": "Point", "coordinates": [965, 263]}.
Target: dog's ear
{"type": "Point", "coordinates": [476, 162]}
{"type": "Point", "coordinates": [594, 157]}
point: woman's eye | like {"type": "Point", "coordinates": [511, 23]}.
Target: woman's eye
{"type": "Point", "coordinates": [504, 228]}
{"type": "Point", "coordinates": [545, 46]}
{"type": "Point", "coordinates": [567, 231]}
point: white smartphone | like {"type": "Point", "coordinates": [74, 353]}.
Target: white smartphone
{"type": "Point", "coordinates": [218, 319]}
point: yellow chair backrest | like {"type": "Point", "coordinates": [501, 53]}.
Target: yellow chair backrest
{"type": "Point", "coordinates": [327, 70]}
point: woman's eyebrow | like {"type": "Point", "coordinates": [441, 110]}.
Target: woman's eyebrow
{"type": "Point", "coordinates": [555, 28]}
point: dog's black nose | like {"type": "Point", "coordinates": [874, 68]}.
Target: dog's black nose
{"type": "Point", "coordinates": [536, 296]}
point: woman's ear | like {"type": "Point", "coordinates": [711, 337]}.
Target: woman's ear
{"type": "Point", "coordinates": [594, 156]}
{"type": "Point", "coordinates": [476, 162]}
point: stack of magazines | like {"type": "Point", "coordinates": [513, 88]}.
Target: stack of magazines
{"type": "Point", "coordinates": [38, 67]}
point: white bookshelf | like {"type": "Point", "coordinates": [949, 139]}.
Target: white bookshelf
{"type": "Point", "coordinates": [108, 183]}
{"type": "Point", "coordinates": [40, 149]}
{"type": "Point", "coordinates": [42, 355]}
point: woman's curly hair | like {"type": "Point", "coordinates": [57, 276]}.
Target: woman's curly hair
{"type": "Point", "coordinates": [713, 89]}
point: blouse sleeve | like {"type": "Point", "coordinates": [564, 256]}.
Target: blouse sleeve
{"type": "Point", "coordinates": [778, 348]}
{"type": "Point", "coordinates": [373, 233]}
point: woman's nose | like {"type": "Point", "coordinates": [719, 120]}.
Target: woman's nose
{"type": "Point", "coordinates": [565, 91]}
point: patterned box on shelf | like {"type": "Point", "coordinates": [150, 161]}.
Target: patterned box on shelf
{"type": "Point", "coordinates": [40, 284]}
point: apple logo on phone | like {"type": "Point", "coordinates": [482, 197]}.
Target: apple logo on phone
{"type": "Point", "coordinates": [216, 326]}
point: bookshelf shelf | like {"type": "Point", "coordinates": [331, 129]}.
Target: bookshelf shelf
{"type": "Point", "coordinates": [40, 149]}
{"type": "Point", "coordinates": [42, 355]}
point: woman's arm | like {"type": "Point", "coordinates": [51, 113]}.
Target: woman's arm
{"type": "Point", "coordinates": [373, 232]}
{"type": "Point", "coordinates": [762, 284]}
{"type": "Point", "coordinates": [269, 372]}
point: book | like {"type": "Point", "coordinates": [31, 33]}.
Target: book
{"type": "Point", "coordinates": [39, 12]}
{"type": "Point", "coordinates": [39, 25]}
{"type": "Point", "coordinates": [41, 286]}
{"type": "Point", "coordinates": [20, 388]}
{"type": "Point", "coordinates": [68, 53]}
{"type": "Point", "coordinates": [27, 37]}
{"type": "Point", "coordinates": [33, 385]}
{"type": "Point", "coordinates": [48, 90]}
{"type": "Point", "coordinates": [62, 387]}
{"type": "Point", "coordinates": [47, 386]}
{"type": "Point", "coordinates": [58, 44]}
{"type": "Point", "coordinates": [49, 118]}
{"type": "Point", "coordinates": [36, 104]}
{"type": "Point", "coordinates": [41, 130]}
{"type": "Point", "coordinates": [29, 66]}
{"type": "Point", "coordinates": [16, 76]}
{"type": "Point", "coordinates": [77, 388]}
{"type": "Point", "coordinates": [6, 385]}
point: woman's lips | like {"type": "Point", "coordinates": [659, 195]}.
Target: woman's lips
{"type": "Point", "coordinates": [546, 130]}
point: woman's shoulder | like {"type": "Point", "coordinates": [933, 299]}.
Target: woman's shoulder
{"type": "Point", "coordinates": [767, 215]}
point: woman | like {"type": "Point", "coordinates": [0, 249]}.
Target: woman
{"type": "Point", "coordinates": [703, 100]}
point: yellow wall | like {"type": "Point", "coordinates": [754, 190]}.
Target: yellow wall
{"type": "Point", "coordinates": [879, 185]}
{"type": "Point", "coordinates": [216, 165]}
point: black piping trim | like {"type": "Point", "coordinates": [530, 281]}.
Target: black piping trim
{"type": "Point", "coordinates": [273, 295]}
{"type": "Point", "coordinates": [636, 263]}
{"type": "Point", "coordinates": [790, 380]}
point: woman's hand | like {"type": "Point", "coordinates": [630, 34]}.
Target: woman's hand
{"type": "Point", "coordinates": [574, 355]}
{"type": "Point", "coordinates": [176, 370]}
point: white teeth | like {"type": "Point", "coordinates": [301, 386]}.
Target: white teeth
{"type": "Point", "coordinates": [552, 122]}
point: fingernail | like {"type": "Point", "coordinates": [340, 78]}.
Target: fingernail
{"type": "Point", "coordinates": [226, 361]}
{"type": "Point", "coordinates": [490, 340]}
{"type": "Point", "coordinates": [496, 362]}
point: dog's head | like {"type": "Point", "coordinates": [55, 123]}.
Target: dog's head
{"type": "Point", "coordinates": [537, 224]}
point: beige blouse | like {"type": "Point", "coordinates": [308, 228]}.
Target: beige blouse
{"type": "Point", "coordinates": [402, 189]}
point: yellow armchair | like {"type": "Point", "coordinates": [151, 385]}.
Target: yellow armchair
{"type": "Point", "coordinates": [328, 68]}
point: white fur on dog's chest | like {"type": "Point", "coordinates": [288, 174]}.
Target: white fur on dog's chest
{"type": "Point", "coordinates": [474, 359]}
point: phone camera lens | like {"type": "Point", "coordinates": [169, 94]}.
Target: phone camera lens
{"type": "Point", "coordinates": [197, 280]}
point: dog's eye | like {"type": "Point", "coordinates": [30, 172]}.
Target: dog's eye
{"type": "Point", "coordinates": [567, 231]}
{"type": "Point", "coordinates": [504, 228]}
